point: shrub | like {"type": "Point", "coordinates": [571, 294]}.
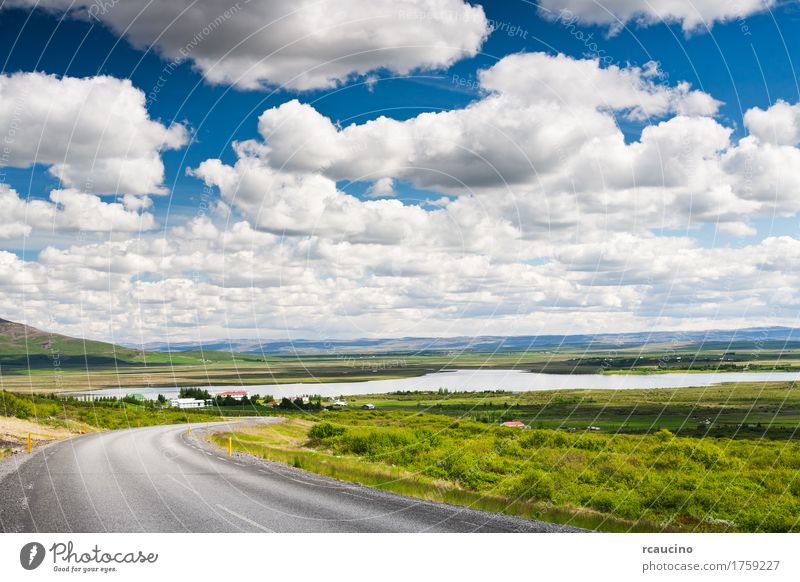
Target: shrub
{"type": "Point", "coordinates": [11, 405]}
{"type": "Point", "coordinates": [325, 430]}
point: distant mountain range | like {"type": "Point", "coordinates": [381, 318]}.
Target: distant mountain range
{"type": "Point", "coordinates": [750, 338]}
{"type": "Point", "coordinates": [23, 345]}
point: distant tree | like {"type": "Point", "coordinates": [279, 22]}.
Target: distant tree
{"type": "Point", "coordinates": [198, 393]}
{"type": "Point", "coordinates": [161, 399]}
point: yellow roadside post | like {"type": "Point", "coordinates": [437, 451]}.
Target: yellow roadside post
{"type": "Point", "coordinates": [188, 429]}
{"type": "Point", "coordinates": [29, 443]}
{"type": "Point", "coordinates": [230, 446]}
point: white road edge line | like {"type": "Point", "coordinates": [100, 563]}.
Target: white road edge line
{"type": "Point", "coordinates": [246, 519]}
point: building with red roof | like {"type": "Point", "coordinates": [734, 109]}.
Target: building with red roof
{"type": "Point", "coordinates": [235, 394]}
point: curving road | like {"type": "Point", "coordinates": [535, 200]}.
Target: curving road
{"type": "Point", "coordinates": [161, 479]}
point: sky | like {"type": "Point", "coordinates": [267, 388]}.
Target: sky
{"type": "Point", "coordinates": [314, 169]}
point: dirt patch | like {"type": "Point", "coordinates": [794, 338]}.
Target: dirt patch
{"type": "Point", "coordinates": [14, 432]}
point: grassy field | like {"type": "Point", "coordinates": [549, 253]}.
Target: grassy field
{"type": "Point", "coordinates": [145, 369]}
{"type": "Point", "coordinates": [740, 410]}
{"type": "Point", "coordinates": [608, 482]}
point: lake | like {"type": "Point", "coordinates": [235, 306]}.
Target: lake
{"type": "Point", "coordinates": [477, 380]}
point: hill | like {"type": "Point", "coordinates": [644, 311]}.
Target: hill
{"type": "Point", "coordinates": [26, 347]}
{"type": "Point", "coordinates": [23, 345]}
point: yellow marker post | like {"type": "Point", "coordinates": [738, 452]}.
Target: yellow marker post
{"type": "Point", "coordinates": [230, 446]}
{"type": "Point", "coordinates": [188, 429]}
{"type": "Point", "coordinates": [29, 443]}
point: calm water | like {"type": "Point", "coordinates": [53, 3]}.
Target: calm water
{"type": "Point", "coordinates": [477, 380]}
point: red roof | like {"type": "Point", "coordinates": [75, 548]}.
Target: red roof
{"type": "Point", "coordinates": [234, 393]}
{"type": "Point", "coordinates": [513, 423]}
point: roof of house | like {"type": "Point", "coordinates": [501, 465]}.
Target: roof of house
{"type": "Point", "coordinates": [513, 423]}
{"type": "Point", "coordinates": [233, 393]}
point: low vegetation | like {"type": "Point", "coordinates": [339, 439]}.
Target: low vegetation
{"type": "Point", "coordinates": [610, 482]}
{"type": "Point", "coordinates": [735, 410]}
{"type": "Point", "coordinates": [111, 413]}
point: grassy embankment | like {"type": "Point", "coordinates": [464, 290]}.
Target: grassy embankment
{"type": "Point", "coordinates": [600, 481]}
{"type": "Point", "coordinates": [14, 433]}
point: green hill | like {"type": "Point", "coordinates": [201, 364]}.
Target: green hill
{"type": "Point", "coordinates": [26, 347]}
{"type": "Point", "coordinates": [23, 345]}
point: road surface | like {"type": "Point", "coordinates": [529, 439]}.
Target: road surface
{"type": "Point", "coordinates": [161, 479]}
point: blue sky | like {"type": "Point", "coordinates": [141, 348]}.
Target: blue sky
{"type": "Point", "coordinates": [743, 59]}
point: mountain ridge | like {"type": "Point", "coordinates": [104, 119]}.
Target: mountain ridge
{"type": "Point", "coordinates": [20, 341]}
{"type": "Point", "coordinates": [754, 337]}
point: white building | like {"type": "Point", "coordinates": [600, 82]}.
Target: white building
{"type": "Point", "coordinates": [187, 403]}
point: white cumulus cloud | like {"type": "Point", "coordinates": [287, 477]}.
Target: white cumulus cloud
{"type": "Point", "coordinates": [70, 210]}
{"type": "Point", "coordinates": [299, 44]}
{"type": "Point", "coordinates": [94, 134]}
{"type": "Point", "coordinates": [690, 14]}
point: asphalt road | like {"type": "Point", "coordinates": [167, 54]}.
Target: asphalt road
{"type": "Point", "coordinates": [160, 479]}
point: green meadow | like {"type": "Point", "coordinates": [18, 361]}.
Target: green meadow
{"type": "Point", "coordinates": [607, 482]}
{"type": "Point", "coordinates": [722, 458]}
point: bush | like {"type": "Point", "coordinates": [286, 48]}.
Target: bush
{"type": "Point", "coordinates": [11, 405]}
{"type": "Point", "coordinates": [536, 485]}
{"type": "Point", "coordinates": [325, 430]}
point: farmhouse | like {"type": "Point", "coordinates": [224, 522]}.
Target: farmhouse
{"type": "Point", "coordinates": [235, 394]}
{"type": "Point", "coordinates": [187, 403]}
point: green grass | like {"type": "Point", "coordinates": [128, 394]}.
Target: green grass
{"type": "Point", "coordinates": [656, 482]}
{"type": "Point", "coordinates": [738, 410]}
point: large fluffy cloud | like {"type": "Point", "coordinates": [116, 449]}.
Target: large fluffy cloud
{"type": "Point", "coordinates": [94, 134]}
{"type": "Point", "coordinates": [305, 44]}
{"type": "Point", "coordinates": [691, 14]}
{"type": "Point", "coordinates": [540, 153]}
{"type": "Point", "coordinates": [779, 124]}
{"type": "Point", "coordinates": [70, 211]}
